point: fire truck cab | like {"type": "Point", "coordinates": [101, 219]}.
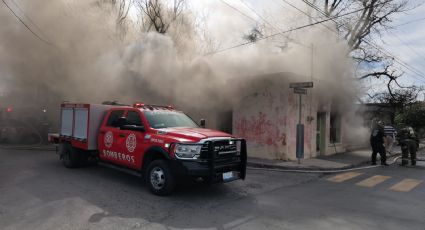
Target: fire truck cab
{"type": "Point", "coordinates": [161, 143]}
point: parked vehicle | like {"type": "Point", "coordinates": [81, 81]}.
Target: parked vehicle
{"type": "Point", "coordinates": [17, 129]}
{"type": "Point", "coordinates": [161, 143]}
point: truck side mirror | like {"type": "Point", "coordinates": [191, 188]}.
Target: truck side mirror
{"type": "Point", "coordinates": [202, 123]}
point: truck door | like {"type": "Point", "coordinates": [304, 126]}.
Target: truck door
{"type": "Point", "coordinates": [111, 138]}
{"type": "Point", "coordinates": [134, 145]}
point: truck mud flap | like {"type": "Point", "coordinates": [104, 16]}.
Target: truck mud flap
{"type": "Point", "coordinates": [244, 157]}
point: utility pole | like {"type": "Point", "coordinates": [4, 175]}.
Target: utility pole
{"type": "Point", "coordinates": [312, 61]}
{"type": "Point", "coordinates": [300, 88]}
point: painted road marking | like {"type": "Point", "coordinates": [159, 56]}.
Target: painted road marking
{"type": "Point", "coordinates": [344, 176]}
{"type": "Point", "coordinates": [373, 181]}
{"type": "Point", "coordinates": [406, 185]}
{"type": "Point", "coordinates": [238, 222]}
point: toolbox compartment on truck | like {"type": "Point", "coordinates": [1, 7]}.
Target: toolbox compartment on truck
{"type": "Point", "coordinates": [80, 124]}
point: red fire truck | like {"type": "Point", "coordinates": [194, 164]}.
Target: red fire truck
{"type": "Point", "coordinates": [159, 142]}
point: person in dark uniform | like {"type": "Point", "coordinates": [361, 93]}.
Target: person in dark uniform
{"type": "Point", "coordinates": [377, 143]}
{"type": "Point", "coordinates": [409, 143]}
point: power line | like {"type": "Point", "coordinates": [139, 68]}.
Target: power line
{"type": "Point", "coordinates": [29, 19]}
{"type": "Point", "coordinates": [283, 32]}
{"type": "Point", "coordinates": [407, 45]}
{"type": "Point", "coordinates": [236, 9]}
{"type": "Point", "coordinates": [314, 7]}
{"type": "Point", "coordinates": [293, 6]}
{"type": "Point", "coordinates": [321, 12]}
{"type": "Point", "coordinates": [258, 15]}
{"type": "Point", "coordinates": [397, 59]}
{"type": "Point", "coordinates": [381, 49]}
{"type": "Point", "coordinates": [409, 22]}
{"type": "Point", "coordinates": [271, 25]}
{"type": "Point", "coordinates": [23, 23]}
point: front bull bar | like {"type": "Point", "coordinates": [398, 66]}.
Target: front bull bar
{"type": "Point", "coordinates": [243, 157]}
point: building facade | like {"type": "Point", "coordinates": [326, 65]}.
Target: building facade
{"type": "Point", "coordinates": [268, 113]}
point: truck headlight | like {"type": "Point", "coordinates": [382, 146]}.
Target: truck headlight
{"type": "Point", "coordinates": [187, 151]}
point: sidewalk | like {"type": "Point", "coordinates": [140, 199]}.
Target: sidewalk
{"type": "Point", "coordinates": [337, 161]}
{"type": "Point", "coordinates": [346, 160]}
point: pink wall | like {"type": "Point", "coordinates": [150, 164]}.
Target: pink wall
{"type": "Point", "coordinates": [261, 130]}
{"type": "Point", "coordinates": [267, 119]}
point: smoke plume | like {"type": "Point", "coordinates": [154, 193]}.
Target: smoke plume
{"type": "Point", "coordinates": [82, 56]}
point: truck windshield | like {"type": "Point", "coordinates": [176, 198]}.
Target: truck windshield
{"type": "Point", "coordinates": [165, 119]}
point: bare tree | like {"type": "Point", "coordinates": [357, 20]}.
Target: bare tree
{"type": "Point", "coordinates": [398, 99]}
{"type": "Point", "coordinates": [204, 39]}
{"type": "Point", "coordinates": [373, 18]}
{"type": "Point", "coordinates": [172, 18]}
{"type": "Point", "coordinates": [157, 16]}
{"type": "Point", "coordinates": [119, 9]}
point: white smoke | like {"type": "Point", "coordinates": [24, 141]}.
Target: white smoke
{"type": "Point", "coordinates": [88, 62]}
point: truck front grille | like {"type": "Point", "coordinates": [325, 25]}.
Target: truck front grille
{"type": "Point", "coordinates": [221, 151]}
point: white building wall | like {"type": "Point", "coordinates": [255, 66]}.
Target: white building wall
{"type": "Point", "coordinates": [267, 118]}
{"type": "Point", "coordinates": [261, 118]}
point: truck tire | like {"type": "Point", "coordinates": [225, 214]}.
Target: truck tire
{"type": "Point", "coordinates": [70, 156]}
{"type": "Point", "coordinates": [159, 178]}
{"type": "Point", "coordinates": [84, 158]}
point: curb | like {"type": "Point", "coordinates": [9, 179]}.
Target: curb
{"type": "Point", "coordinates": [29, 147]}
{"type": "Point", "coordinates": [350, 166]}
{"type": "Point", "coordinates": [271, 166]}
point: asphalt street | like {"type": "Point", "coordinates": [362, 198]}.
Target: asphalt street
{"type": "Point", "coordinates": [37, 192]}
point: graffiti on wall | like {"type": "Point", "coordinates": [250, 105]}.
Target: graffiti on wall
{"type": "Point", "coordinates": [262, 130]}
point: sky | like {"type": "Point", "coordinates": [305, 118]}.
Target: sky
{"type": "Point", "coordinates": [407, 42]}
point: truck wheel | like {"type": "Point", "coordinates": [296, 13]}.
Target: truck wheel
{"type": "Point", "coordinates": [159, 178]}
{"type": "Point", "coordinates": [70, 157]}
{"type": "Point", "coordinates": [84, 158]}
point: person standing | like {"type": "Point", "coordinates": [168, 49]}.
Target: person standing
{"type": "Point", "coordinates": [390, 135]}
{"type": "Point", "coordinates": [377, 143]}
{"type": "Point", "coordinates": [409, 143]}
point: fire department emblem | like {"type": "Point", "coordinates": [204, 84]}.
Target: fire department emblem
{"type": "Point", "coordinates": [108, 139]}
{"type": "Point", "coordinates": [130, 143]}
